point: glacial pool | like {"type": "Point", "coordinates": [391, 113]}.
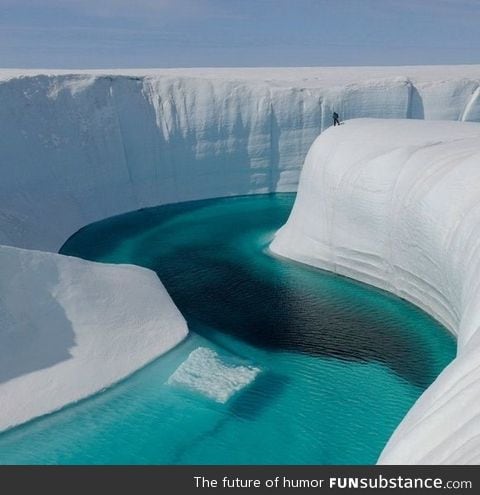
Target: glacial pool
{"type": "Point", "coordinates": [325, 367]}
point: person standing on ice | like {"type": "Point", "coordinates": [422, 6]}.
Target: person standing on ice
{"type": "Point", "coordinates": [335, 119]}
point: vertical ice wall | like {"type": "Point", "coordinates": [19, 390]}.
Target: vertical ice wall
{"type": "Point", "coordinates": [77, 148]}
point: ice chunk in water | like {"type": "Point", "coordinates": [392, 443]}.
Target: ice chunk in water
{"type": "Point", "coordinates": [205, 372]}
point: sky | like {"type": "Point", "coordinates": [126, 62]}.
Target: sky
{"type": "Point", "coordinates": [242, 33]}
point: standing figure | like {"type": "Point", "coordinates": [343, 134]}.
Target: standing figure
{"type": "Point", "coordinates": [335, 119]}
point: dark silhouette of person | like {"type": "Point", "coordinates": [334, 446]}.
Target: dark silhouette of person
{"type": "Point", "coordinates": [335, 119]}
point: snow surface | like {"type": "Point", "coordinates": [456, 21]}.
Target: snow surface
{"type": "Point", "coordinates": [70, 328]}
{"type": "Point", "coordinates": [396, 204]}
{"type": "Point", "coordinates": [79, 147]}
{"type": "Point", "coordinates": [204, 371]}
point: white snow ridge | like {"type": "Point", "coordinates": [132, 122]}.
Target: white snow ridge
{"type": "Point", "coordinates": [205, 372]}
{"type": "Point", "coordinates": [396, 204]}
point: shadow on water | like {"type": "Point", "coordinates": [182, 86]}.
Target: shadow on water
{"type": "Point", "coordinates": [247, 405]}
{"type": "Point", "coordinates": [275, 316]}
{"type": "Point", "coordinates": [259, 395]}
{"type": "Point", "coordinates": [195, 248]}
{"type": "Point", "coordinates": [103, 243]}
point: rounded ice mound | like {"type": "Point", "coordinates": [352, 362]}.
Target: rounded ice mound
{"type": "Point", "coordinates": [396, 204]}
{"type": "Point", "coordinates": [70, 328]}
{"type": "Point", "coordinates": [205, 372]}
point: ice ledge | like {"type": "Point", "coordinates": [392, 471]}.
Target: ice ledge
{"type": "Point", "coordinates": [396, 204]}
{"type": "Point", "coordinates": [70, 328]}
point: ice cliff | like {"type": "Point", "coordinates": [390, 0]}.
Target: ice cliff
{"type": "Point", "coordinates": [397, 205]}
{"type": "Point", "coordinates": [78, 147]}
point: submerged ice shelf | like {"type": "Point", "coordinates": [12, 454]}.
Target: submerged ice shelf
{"type": "Point", "coordinates": [205, 372]}
{"type": "Point", "coordinates": [396, 205]}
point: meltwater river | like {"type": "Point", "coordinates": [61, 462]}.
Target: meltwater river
{"type": "Point", "coordinates": [338, 363]}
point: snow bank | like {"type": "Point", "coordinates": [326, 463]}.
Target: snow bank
{"type": "Point", "coordinates": [80, 147]}
{"type": "Point", "coordinates": [69, 328]}
{"type": "Point", "coordinates": [397, 205]}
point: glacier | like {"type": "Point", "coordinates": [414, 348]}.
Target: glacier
{"type": "Point", "coordinates": [396, 205]}
{"type": "Point", "coordinates": [77, 147]}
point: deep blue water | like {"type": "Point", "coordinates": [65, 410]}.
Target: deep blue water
{"type": "Point", "coordinates": [341, 362]}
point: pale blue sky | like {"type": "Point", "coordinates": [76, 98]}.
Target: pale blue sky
{"type": "Point", "coordinates": [188, 33]}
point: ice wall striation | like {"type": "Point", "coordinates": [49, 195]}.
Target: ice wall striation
{"type": "Point", "coordinates": [396, 204]}
{"type": "Point", "coordinates": [70, 328]}
{"type": "Point", "coordinates": [76, 148]}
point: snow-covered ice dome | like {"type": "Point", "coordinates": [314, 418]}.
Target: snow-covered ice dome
{"type": "Point", "coordinates": [396, 204]}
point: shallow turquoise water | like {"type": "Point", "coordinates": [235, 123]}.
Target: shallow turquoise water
{"type": "Point", "coordinates": [341, 362]}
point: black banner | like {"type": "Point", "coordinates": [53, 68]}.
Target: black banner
{"type": "Point", "coordinates": [239, 479]}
